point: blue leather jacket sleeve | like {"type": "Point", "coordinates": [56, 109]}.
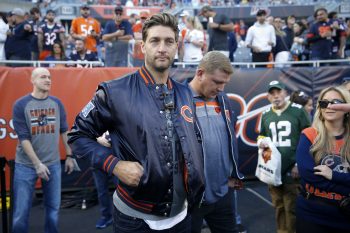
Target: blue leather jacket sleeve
{"type": "Point", "coordinates": [91, 123]}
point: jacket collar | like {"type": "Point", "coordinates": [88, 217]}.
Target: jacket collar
{"type": "Point", "coordinates": [149, 80]}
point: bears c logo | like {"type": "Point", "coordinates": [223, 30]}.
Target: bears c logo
{"type": "Point", "coordinates": [186, 113]}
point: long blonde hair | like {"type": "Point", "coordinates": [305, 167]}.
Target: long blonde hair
{"type": "Point", "coordinates": [194, 21]}
{"type": "Point", "coordinates": [324, 142]}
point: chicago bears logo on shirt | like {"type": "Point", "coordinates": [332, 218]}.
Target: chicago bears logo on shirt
{"type": "Point", "coordinates": [336, 163]}
{"type": "Point", "coordinates": [42, 120]}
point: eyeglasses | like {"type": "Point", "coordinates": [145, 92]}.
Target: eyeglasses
{"type": "Point", "coordinates": [325, 103]}
{"type": "Point", "coordinates": [118, 13]}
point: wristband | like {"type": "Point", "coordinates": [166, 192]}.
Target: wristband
{"type": "Point", "coordinates": [69, 156]}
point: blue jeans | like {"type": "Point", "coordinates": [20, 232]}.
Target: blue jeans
{"type": "Point", "coordinates": [126, 224]}
{"type": "Point", "coordinates": [220, 216]}
{"type": "Point", "coordinates": [24, 184]}
{"type": "Point", "coordinates": [101, 182]}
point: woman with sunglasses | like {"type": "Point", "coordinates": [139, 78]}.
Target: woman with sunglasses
{"type": "Point", "coordinates": [323, 157]}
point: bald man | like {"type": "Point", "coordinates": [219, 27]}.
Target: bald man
{"type": "Point", "coordinates": [39, 120]}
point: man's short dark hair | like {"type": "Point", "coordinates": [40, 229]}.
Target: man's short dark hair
{"type": "Point", "coordinates": [261, 12]}
{"type": "Point", "coordinates": [50, 11]}
{"type": "Point", "coordinates": [118, 9]}
{"type": "Point", "coordinates": [34, 10]}
{"type": "Point", "coordinates": [332, 14]}
{"type": "Point", "coordinates": [161, 19]}
{"type": "Point", "coordinates": [320, 9]}
{"type": "Point", "coordinates": [205, 9]}
{"type": "Point", "coordinates": [85, 6]}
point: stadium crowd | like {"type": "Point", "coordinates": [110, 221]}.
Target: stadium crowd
{"type": "Point", "coordinates": [118, 42]}
{"type": "Point", "coordinates": [190, 38]}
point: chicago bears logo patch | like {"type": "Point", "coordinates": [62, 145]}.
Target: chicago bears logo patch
{"type": "Point", "coordinates": [186, 113]}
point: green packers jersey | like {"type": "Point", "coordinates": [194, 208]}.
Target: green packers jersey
{"type": "Point", "coordinates": [284, 129]}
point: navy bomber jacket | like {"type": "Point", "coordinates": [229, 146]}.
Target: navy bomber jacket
{"type": "Point", "coordinates": [131, 108]}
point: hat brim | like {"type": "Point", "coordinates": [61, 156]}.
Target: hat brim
{"type": "Point", "coordinates": [275, 87]}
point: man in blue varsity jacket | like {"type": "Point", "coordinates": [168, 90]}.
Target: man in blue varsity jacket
{"type": "Point", "coordinates": [155, 151]}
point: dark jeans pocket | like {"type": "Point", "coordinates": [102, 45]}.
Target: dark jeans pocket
{"type": "Point", "coordinates": [125, 224]}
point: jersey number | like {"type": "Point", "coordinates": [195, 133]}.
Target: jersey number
{"type": "Point", "coordinates": [50, 38]}
{"type": "Point", "coordinates": [86, 29]}
{"type": "Point", "coordinates": [280, 133]}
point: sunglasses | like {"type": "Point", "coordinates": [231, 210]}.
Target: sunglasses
{"type": "Point", "coordinates": [325, 103]}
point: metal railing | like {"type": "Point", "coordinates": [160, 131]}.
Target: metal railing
{"type": "Point", "coordinates": [87, 64]}
{"type": "Point", "coordinates": [92, 64]}
{"type": "Point", "coordinates": [316, 63]}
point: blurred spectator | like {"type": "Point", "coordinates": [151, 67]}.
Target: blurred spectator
{"type": "Point", "coordinates": [307, 22]}
{"type": "Point", "coordinates": [137, 28]}
{"type": "Point", "coordinates": [270, 20]}
{"type": "Point", "coordinates": [182, 20]}
{"type": "Point", "coordinates": [218, 26]}
{"type": "Point", "coordinates": [27, 16]}
{"type": "Point", "coordinates": [282, 47]}
{"type": "Point", "coordinates": [232, 45]}
{"type": "Point", "coordinates": [300, 97]}
{"type": "Point", "coordinates": [86, 28]}
{"type": "Point", "coordinates": [192, 41]}
{"type": "Point", "coordinates": [338, 36]}
{"type": "Point", "coordinates": [173, 5]}
{"type": "Point", "coordinates": [117, 34]}
{"type": "Point", "coordinates": [133, 19]}
{"type": "Point", "coordinates": [298, 50]}
{"type": "Point", "coordinates": [138, 56]}
{"type": "Point", "coordinates": [261, 37]}
{"type": "Point", "coordinates": [49, 33]}
{"type": "Point", "coordinates": [10, 18]}
{"type": "Point", "coordinates": [3, 35]}
{"type": "Point", "coordinates": [129, 3]}
{"type": "Point", "coordinates": [289, 30]}
{"type": "Point", "coordinates": [346, 83]}
{"type": "Point", "coordinates": [320, 36]}
{"type": "Point", "coordinates": [35, 22]}
{"type": "Point", "coordinates": [20, 38]}
{"type": "Point", "coordinates": [57, 54]}
{"type": "Point", "coordinates": [240, 30]}
{"type": "Point", "coordinates": [347, 46]}
{"type": "Point", "coordinates": [81, 54]}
